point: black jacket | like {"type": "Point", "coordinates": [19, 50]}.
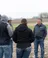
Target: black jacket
{"type": "Point", "coordinates": [23, 36]}
{"type": "Point", "coordinates": [40, 31]}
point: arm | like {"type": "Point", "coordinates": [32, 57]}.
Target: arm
{"type": "Point", "coordinates": [45, 32]}
{"type": "Point", "coordinates": [10, 31]}
{"type": "Point", "coordinates": [11, 26]}
{"type": "Point", "coordinates": [15, 36]}
{"type": "Point", "coordinates": [34, 31]}
{"type": "Point", "coordinates": [32, 37]}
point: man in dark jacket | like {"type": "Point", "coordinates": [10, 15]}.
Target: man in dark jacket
{"type": "Point", "coordinates": [23, 36]}
{"type": "Point", "coordinates": [5, 37]}
{"type": "Point", "coordinates": [40, 33]}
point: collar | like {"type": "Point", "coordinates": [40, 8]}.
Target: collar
{"type": "Point", "coordinates": [39, 25]}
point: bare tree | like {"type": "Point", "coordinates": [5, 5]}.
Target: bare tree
{"type": "Point", "coordinates": [44, 15]}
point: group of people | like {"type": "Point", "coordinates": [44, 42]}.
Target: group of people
{"type": "Point", "coordinates": [23, 36]}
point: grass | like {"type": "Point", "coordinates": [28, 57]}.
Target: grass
{"type": "Point", "coordinates": [31, 27]}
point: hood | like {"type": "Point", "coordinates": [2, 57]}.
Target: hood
{"type": "Point", "coordinates": [21, 27]}
{"type": "Point", "coordinates": [4, 18]}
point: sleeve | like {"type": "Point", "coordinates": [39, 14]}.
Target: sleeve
{"type": "Point", "coordinates": [11, 26]}
{"type": "Point", "coordinates": [45, 32]}
{"type": "Point", "coordinates": [15, 36]}
{"type": "Point", "coordinates": [32, 38]}
{"type": "Point", "coordinates": [34, 30]}
{"type": "Point", "coordinates": [10, 31]}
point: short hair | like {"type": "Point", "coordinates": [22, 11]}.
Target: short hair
{"type": "Point", "coordinates": [24, 21]}
{"type": "Point", "coordinates": [40, 19]}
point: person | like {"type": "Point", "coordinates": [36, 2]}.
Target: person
{"type": "Point", "coordinates": [10, 22]}
{"type": "Point", "coordinates": [40, 32]}
{"type": "Point", "coordinates": [23, 36]}
{"type": "Point", "coordinates": [5, 37]}
{"type": "Point", "coordinates": [11, 42]}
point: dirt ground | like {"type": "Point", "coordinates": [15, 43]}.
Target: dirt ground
{"type": "Point", "coordinates": [32, 52]}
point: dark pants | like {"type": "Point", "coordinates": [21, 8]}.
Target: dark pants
{"type": "Point", "coordinates": [11, 48]}
{"type": "Point", "coordinates": [23, 53]}
{"type": "Point", "coordinates": [38, 42]}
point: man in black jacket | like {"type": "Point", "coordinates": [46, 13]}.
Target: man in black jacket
{"type": "Point", "coordinates": [40, 33]}
{"type": "Point", "coordinates": [23, 36]}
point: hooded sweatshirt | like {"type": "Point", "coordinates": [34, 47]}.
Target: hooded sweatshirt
{"type": "Point", "coordinates": [23, 36]}
{"type": "Point", "coordinates": [5, 20]}
{"type": "Point", "coordinates": [5, 31]}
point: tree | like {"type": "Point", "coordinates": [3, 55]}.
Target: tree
{"type": "Point", "coordinates": [44, 15]}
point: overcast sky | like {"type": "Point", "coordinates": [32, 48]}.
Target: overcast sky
{"type": "Point", "coordinates": [23, 8]}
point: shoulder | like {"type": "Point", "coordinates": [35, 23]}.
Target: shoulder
{"type": "Point", "coordinates": [35, 26]}
{"type": "Point", "coordinates": [17, 28]}
{"type": "Point", "coordinates": [29, 30]}
{"type": "Point", "coordinates": [43, 25]}
{"type": "Point", "coordinates": [4, 24]}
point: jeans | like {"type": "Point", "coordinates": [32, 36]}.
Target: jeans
{"type": "Point", "coordinates": [38, 42]}
{"type": "Point", "coordinates": [23, 53]}
{"type": "Point", "coordinates": [5, 52]}
{"type": "Point", "coordinates": [11, 47]}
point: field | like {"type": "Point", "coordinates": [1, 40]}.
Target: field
{"type": "Point", "coordinates": [31, 26]}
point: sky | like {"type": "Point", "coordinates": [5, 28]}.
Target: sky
{"type": "Point", "coordinates": [23, 8]}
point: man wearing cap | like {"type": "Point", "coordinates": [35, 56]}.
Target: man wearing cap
{"type": "Point", "coordinates": [23, 36]}
{"type": "Point", "coordinates": [11, 42]}
{"type": "Point", "coordinates": [5, 37]}
{"type": "Point", "coordinates": [10, 22]}
{"type": "Point", "coordinates": [40, 32]}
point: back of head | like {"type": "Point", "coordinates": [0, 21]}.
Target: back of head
{"type": "Point", "coordinates": [4, 18]}
{"type": "Point", "coordinates": [24, 21]}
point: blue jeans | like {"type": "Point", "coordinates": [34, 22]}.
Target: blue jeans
{"type": "Point", "coordinates": [5, 52]}
{"type": "Point", "coordinates": [38, 42]}
{"type": "Point", "coordinates": [23, 53]}
{"type": "Point", "coordinates": [11, 47]}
